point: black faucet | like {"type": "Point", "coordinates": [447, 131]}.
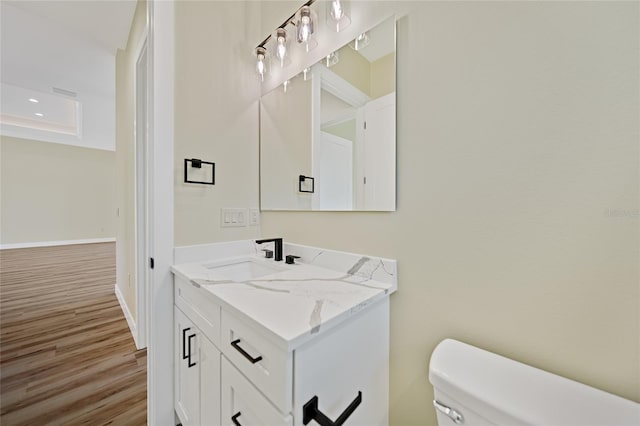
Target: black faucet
{"type": "Point", "coordinates": [278, 247]}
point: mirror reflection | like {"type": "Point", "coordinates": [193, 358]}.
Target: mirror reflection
{"type": "Point", "coordinates": [327, 136]}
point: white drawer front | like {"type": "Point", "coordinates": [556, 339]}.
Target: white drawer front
{"type": "Point", "coordinates": [243, 404]}
{"type": "Point", "coordinates": [268, 367]}
{"type": "Point", "coordinates": [200, 307]}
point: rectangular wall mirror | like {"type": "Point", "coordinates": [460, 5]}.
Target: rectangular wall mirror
{"type": "Point", "coordinates": [328, 137]}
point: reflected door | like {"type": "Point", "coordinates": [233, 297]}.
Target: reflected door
{"type": "Point", "coordinates": [335, 179]}
{"type": "Point", "coordinates": [379, 154]}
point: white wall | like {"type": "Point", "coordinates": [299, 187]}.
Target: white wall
{"type": "Point", "coordinates": [125, 160]}
{"type": "Point", "coordinates": [517, 222]}
{"type": "Point", "coordinates": [216, 116]}
{"type": "Point", "coordinates": [52, 192]}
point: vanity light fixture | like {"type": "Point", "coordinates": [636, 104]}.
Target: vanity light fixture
{"type": "Point", "coordinates": [262, 62]}
{"type": "Point", "coordinates": [303, 19]}
{"type": "Point", "coordinates": [337, 16]}
{"type": "Point", "coordinates": [332, 59]}
{"type": "Point", "coordinates": [281, 46]}
{"type": "Point", "coordinates": [360, 42]}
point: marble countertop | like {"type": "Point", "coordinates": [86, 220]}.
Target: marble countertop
{"type": "Point", "coordinates": [294, 303]}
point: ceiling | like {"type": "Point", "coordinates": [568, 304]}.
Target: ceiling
{"type": "Point", "coordinates": [59, 51]}
{"type": "Point", "coordinates": [105, 22]}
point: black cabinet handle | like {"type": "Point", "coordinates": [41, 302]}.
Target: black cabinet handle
{"type": "Point", "coordinates": [310, 412]}
{"type": "Point", "coordinates": [184, 342]}
{"type": "Point", "coordinates": [189, 356]}
{"type": "Point", "coordinates": [234, 418]}
{"type": "Point", "coordinates": [244, 353]}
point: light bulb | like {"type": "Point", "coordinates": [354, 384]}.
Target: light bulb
{"type": "Point", "coordinates": [285, 85]}
{"type": "Point", "coordinates": [336, 10]}
{"type": "Point", "coordinates": [332, 59]}
{"type": "Point", "coordinates": [281, 45]}
{"type": "Point", "coordinates": [304, 30]}
{"type": "Point", "coordinates": [261, 65]}
{"type": "Point", "coordinates": [282, 49]}
{"type": "Point", "coordinates": [360, 42]}
{"type": "Point", "coordinates": [338, 14]}
{"type": "Point", "coordinates": [306, 73]}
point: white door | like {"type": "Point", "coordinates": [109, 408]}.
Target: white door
{"type": "Point", "coordinates": [335, 177]}
{"type": "Point", "coordinates": [379, 154]}
{"type": "Point", "coordinates": [187, 370]}
{"type": "Point", "coordinates": [143, 183]}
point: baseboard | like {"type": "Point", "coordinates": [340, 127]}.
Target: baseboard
{"type": "Point", "coordinates": [128, 316]}
{"type": "Point", "coordinates": [56, 243]}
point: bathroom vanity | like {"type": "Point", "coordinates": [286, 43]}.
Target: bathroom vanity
{"type": "Point", "coordinates": [260, 342]}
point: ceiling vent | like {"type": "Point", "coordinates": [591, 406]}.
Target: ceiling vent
{"type": "Point", "coordinates": [64, 92]}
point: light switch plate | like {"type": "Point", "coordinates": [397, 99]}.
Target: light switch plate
{"type": "Point", "coordinates": [254, 217]}
{"type": "Point", "coordinates": [233, 217]}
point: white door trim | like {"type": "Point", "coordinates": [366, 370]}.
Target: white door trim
{"type": "Point", "coordinates": [160, 54]}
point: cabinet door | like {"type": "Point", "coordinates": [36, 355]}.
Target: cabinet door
{"type": "Point", "coordinates": [187, 370]}
{"type": "Point", "coordinates": [346, 371]}
{"type": "Point", "coordinates": [243, 404]}
{"type": "Point", "coordinates": [209, 383]}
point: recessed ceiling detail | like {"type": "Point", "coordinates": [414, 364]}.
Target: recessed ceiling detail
{"type": "Point", "coordinates": [36, 110]}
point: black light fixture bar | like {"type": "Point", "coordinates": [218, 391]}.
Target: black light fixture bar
{"type": "Point", "coordinates": [286, 22]}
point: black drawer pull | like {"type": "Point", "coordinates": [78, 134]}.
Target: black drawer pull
{"type": "Point", "coordinates": [310, 412]}
{"type": "Point", "coordinates": [184, 342]}
{"type": "Point", "coordinates": [244, 353]}
{"type": "Point", "coordinates": [234, 418]}
{"type": "Point", "coordinates": [190, 363]}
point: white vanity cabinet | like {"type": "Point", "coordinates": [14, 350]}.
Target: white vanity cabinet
{"type": "Point", "coordinates": [307, 344]}
{"type": "Point", "coordinates": [341, 372]}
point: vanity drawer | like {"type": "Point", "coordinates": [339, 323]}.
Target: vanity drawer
{"type": "Point", "coordinates": [268, 367]}
{"type": "Point", "coordinates": [200, 307]}
{"type": "Point", "coordinates": [242, 402]}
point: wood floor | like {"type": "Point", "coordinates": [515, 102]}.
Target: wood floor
{"type": "Point", "coordinates": [66, 354]}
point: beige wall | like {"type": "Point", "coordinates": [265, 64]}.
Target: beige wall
{"type": "Point", "coordinates": [285, 122]}
{"type": "Point", "coordinates": [216, 115]}
{"type": "Point", "coordinates": [354, 68]}
{"type": "Point", "coordinates": [55, 192]}
{"type": "Point", "coordinates": [125, 159]}
{"type": "Point", "coordinates": [383, 76]}
{"type": "Point", "coordinates": [517, 137]}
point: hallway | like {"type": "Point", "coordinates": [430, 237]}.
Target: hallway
{"type": "Point", "coordinates": [66, 354]}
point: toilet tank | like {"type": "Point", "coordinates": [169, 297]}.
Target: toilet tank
{"type": "Point", "coordinates": [476, 387]}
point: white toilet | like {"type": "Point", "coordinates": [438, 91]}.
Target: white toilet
{"type": "Point", "coordinates": [476, 387]}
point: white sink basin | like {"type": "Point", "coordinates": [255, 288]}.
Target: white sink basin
{"type": "Point", "coordinates": [244, 269]}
